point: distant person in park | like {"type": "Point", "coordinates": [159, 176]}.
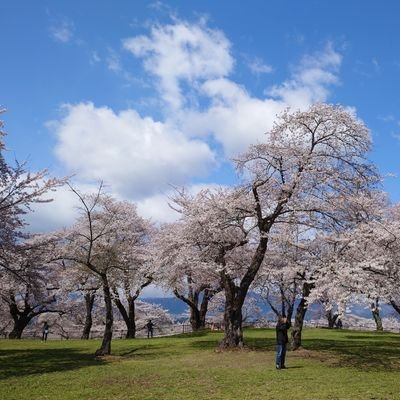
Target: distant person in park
{"type": "Point", "coordinates": [281, 341]}
{"type": "Point", "coordinates": [150, 327]}
{"type": "Point", "coordinates": [339, 323]}
{"type": "Point", "coordinates": [45, 331]}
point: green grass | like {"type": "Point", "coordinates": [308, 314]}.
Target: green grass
{"type": "Point", "coordinates": [333, 365]}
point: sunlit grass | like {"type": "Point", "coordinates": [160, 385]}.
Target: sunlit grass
{"type": "Point", "coordinates": [332, 365]}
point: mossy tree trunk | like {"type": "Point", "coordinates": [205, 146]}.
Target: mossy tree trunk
{"type": "Point", "coordinates": [301, 310]}
{"type": "Point", "coordinates": [89, 302]}
{"type": "Point", "coordinates": [105, 348]}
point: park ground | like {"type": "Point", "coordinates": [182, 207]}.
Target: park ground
{"type": "Point", "coordinates": [334, 364]}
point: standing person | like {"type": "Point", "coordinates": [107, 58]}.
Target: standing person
{"type": "Point", "coordinates": [45, 331]}
{"type": "Point", "coordinates": [281, 341]}
{"type": "Point", "coordinates": [149, 327]}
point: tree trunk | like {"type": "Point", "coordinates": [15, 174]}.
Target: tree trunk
{"type": "Point", "coordinates": [131, 323]}
{"type": "Point", "coordinates": [129, 315]}
{"type": "Point", "coordinates": [290, 309]}
{"type": "Point", "coordinates": [18, 328]}
{"type": "Point", "coordinates": [195, 320]}
{"type": "Point", "coordinates": [207, 296]}
{"type": "Point", "coordinates": [21, 318]}
{"type": "Point", "coordinates": [233, 331]}
{"type": "Point", "coordinates": [236, 295]}
{"type": "Point", "coordinates": [375, 313]}
{"type": "Point", "coordinates": [89, 302]}
{"type": "Point", "coordinates": [395, 305]}
{"type": "Point", "coordinates": [193, 302]}
{"type": "Point", "coordinates": [331, 317]}
{"type": "Point", "coordinates": [283, 302]}
{"type": "Point", "coordinates": [197, 317]}
{"type": "Point", "coordinates": [297, 328]}
{"type": "Point", "coordinates": [197, 314]}
{"type": "Point", "coordinates": [105, 347]}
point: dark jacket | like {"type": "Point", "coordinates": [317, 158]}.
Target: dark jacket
{"type": "Point", "coordinates": [281, 332]}
{"type": "Point", "coordinates": [149, 326]}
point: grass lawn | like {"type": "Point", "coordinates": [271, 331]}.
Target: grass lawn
{"type": "Point", "coordinates": [333, 365]}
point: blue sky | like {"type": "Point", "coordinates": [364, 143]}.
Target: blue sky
{"type": "Point", "coordinates": [148, 94]}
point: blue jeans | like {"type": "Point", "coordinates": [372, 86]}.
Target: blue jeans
{"type": "Point", "coordinates": [280, 355]}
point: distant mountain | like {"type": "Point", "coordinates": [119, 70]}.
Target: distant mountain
{"type": "Point", "coordinates": [179, 310]}
{"type": "Point", "coordinates": [361, 310]}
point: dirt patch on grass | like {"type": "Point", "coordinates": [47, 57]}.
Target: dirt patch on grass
{"type": "Point", "coordinates": [321, 356]}
{"type": "Point", "coordinates": [362, 359]}
{"type": "Point", "coordinates": [230, 359]}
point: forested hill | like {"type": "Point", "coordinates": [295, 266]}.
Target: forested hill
{"type": "Point", "coordinates": [179, 310]}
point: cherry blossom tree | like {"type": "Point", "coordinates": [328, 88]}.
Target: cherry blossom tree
{"type": "Point", "coordinates": [6, 322]}
{"type": "Point", "coordinates": [219, 222]}
{"type": "Point", "coordinates": [83, 287]}
{"type": "Point", "coordinates": [158, 315]}
{"type": "Point", "coordinates": [104, 240]}
{"type": "Point", "coordinates": [185, 267]}
{"type": "Point", "coordinates": [34, 288]}
{"type": "Point", "coordinates": [309, 162]}
{"type": "Point", "coordinates": [128, 311]}
{"type": "Point", "coordinates": [361, 261]}
{"type": "Point", "coordinates": [280, 277]}
{"type": "Point", "coordinates": [279, 291]}
{"type": "Point", "coordinates": [138, 269]}
{"type": "Point", "coordinates": [19, 190]}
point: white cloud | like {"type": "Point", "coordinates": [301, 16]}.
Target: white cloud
{"type": "Point", "coordinates": [158, 207]}
{"type": "Point", "coordinates": [182, 52]}
{"type": "Point", "coordinates": [311, 79]}
{"type": "Point", "coordinates": [136, 156]}
{"type": "Point", "coordinates": [94, 58]}
{"type": "Point", "coordinates": [139, 156]}
{"type": "Point", "coordinates": [257, 67]}
{"type": "Point", "coordinates": [63, 31]}
{"type": "Point", "coordinates": [114, 64]}
{"type": "Point", "coordinates": [155, 291]}
{"type": "Point", "coordinates": [59, 213]}
{"type": "Point", "coordinates": [376, 65]}
{"type": "Point", "coordinates": [201, 57]}
{"type": "Point", "coordinates": [387, 118]}
{"type": "Point", "coordinates": [64, 208]}
{"type": "Point", "coordinates": [236, 118]}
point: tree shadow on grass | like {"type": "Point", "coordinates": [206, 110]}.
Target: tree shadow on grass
{"type": "Point", "coordinates": [261, 344]}
{"type": "Point", "coordinates": [254, 344]}
{"type": "Point", "coordinates": [361, 353]}
{"type": "Point", "coordinates": [15, 363]}
{"type": "Point", "coordinates": [364, 352]}
{"type": "Point", "coordinates": [128, 352]}
{"type": "Point", "coordinates": [145, 353]}
{"type": "Point", "coordinates": [378, 336]}
{"type": "Point", "coordinates": [201, 333]}
{"type": "Point", "coordinates": [205, 344]}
